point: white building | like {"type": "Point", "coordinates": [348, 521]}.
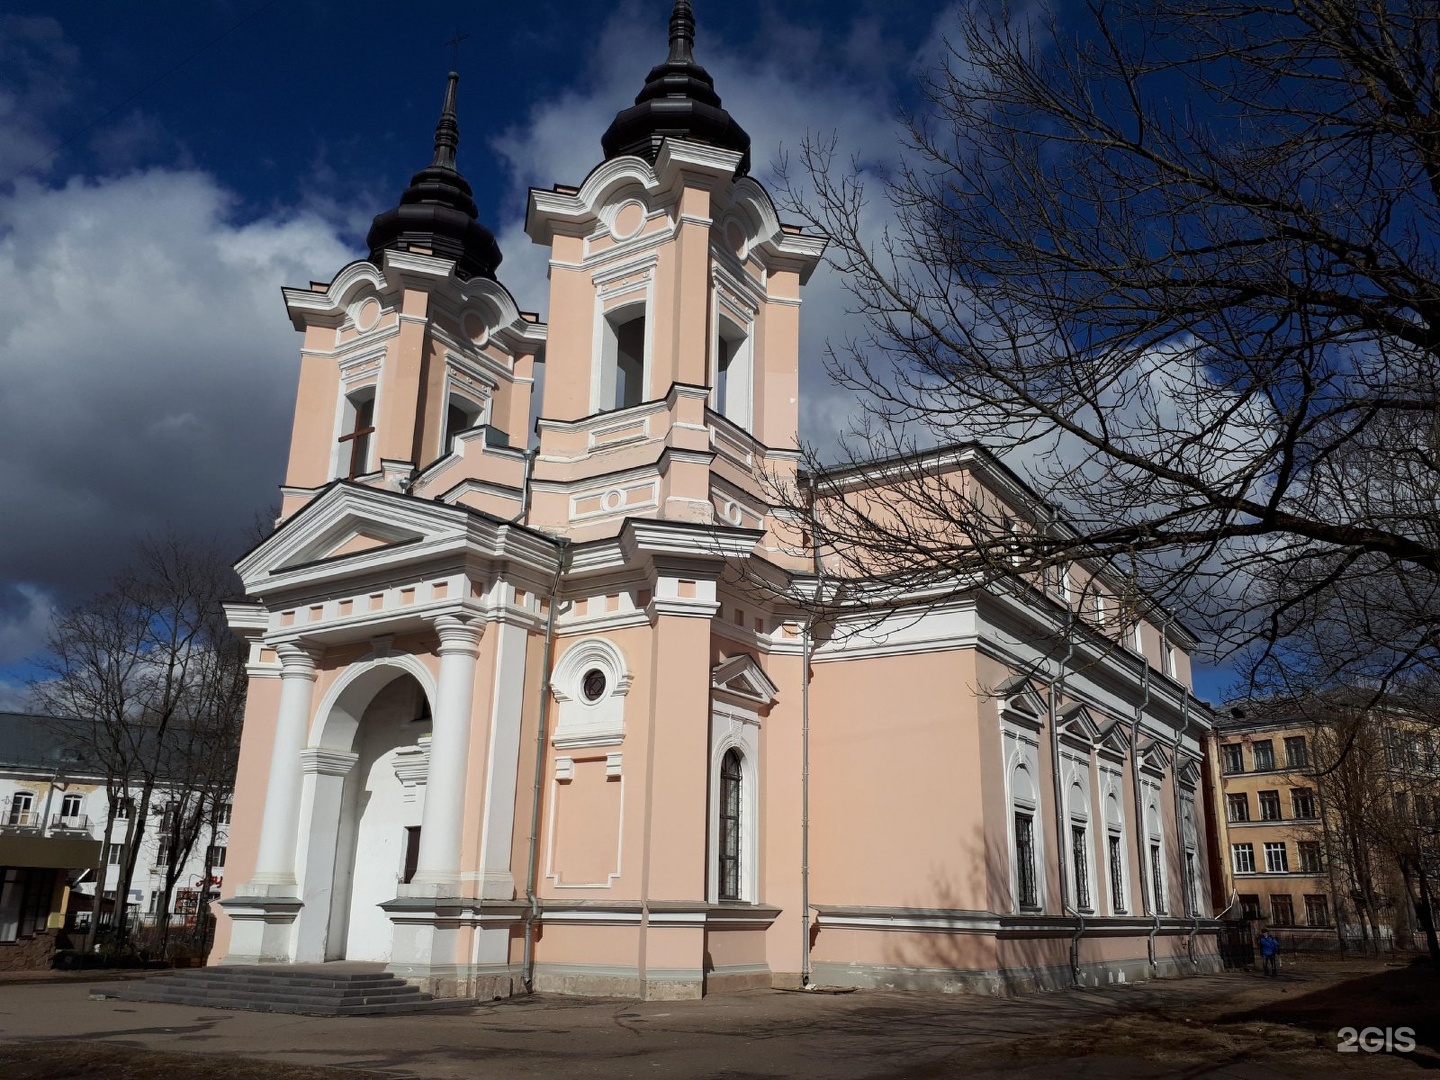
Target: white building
{"type": "Point", "coordinates": [52, 790]}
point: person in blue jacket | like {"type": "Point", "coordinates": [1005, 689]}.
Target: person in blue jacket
{"type": "Point", "coordinates": [1270, 952]}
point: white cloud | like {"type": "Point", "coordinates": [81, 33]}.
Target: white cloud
{"type": "Point", "coordinates": [147, 370]}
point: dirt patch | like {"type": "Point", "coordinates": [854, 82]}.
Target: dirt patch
{"type": "Point", "coordinates": [108, 1061]}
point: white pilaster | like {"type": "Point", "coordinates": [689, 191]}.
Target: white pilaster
{"type": "Point", "coordinates": [438, 866]}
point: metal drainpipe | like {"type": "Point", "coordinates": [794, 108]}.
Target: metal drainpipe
{"type": "Point", "coordinates": [523, 517]}
{"type": "Point", "coordinates": [1061, 817]}
{"type": "Point", "coordinates": [805, 806]}
{"type": "Point", "coordinates": [1141, 847]}
{"type": "Point", "coordinates": [1180, 821]}
{"type": "Point", "coordinates": [806, 645]}
{"type": "Point", "coordinates": [527, 971]}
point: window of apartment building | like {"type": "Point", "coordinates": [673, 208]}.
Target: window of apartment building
{"type": "Point", "coordinates": [70, 806]}
{"type": "Point", "coordinates": [1242, 858]}
{"type": "Point", "coordinates": [1117, 874]}
{"type": "Point", "coordinates": [1269, 805]}
{"type": "Point", "coordinates": [215, 856]}
{"type": "Point", "coordinates": [1237, 806]}
{"type": "Point", "coordinates": [1232, 758]}
{"type": "Point", "coordinates": [222, 812]}
{"type": "Point", "coordinates": [22, 808]}
{"type": "Point", "coordinates": [163, 852]}
{"type": "Point", "coordinates": [1264, 754]}
{"type": "Point", "coordinates": [1171, 663]}
{"type": "Point", "coordinates": [1302, 803]}
{"type": "Point", "coordinates": [1309, 853]}
{"type": "Point", "coordinates": [461, 415]}
{"type": "Point", "coordinates": [1157, 878]}
{"type": "Point", "coordinates": [112, 856]}
{"type": "Point", "coordinates": [1282, 909]}
{"type": "Point", "coordinates": [1081, 861]}
{"type": "Point", "coordinates": [1317, 910]}
{"type": "Point", "coordinates": [1137, 638]}
{"type": "Point", "coordinates": [1192, 885]}
{"type": "Point", "coordinates": [1297, 755]}
{"type": "Point", "coordinates": [1276, 861]}
{"type": "Point", "coordinates": [153, 903]}
{"type": "Point", "coordinates": [1249, 906]}
{"type": "Point", "coordinates": [1025, 885]}
{"type": "Point", "coordinates": [122, 808]}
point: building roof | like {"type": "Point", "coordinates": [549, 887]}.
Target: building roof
{"type": "Point", "coordinates": [679, 101]}
{"type": "Point", "coordinates": [34, 742]}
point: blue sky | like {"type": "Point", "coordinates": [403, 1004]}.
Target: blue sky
{"type": "Point", "coordinates": [165, 167]}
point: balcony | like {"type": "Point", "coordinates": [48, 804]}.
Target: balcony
{"type": "Point", "coordinates": [68, 823]}
{"type": "Point", "coordinates": [21, 821]}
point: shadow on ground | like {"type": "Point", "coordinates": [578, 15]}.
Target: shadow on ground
{"type": "Point", "coordinates": [1406, 996]}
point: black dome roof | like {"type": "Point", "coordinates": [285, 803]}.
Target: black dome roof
{"type": "Point", "coordinates": [679, 100]}
{"type": "Point", "coordinates": [437, 211]}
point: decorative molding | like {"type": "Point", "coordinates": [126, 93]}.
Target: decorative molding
{"type": "Point", "coordinates": [324, 761]}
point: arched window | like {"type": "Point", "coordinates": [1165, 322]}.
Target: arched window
{"type": "Point", "coordinates": [359, 433]}
{"type": "Point", "coordinates": [730, 825]}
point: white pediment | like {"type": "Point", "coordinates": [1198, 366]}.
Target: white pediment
{"type": "Point", "coordinates": [1113, 741]}
{"type": "Point", "coordinates": [1019, 699]}
{"type": "Point", "coordinates": [742, 677]}
{"type": "Point", "coordinates": [350, 522]}
{"type": "Point", "coordinates": [1078, 722]}
{"type": "Point", "coordinates": [1153, 756]}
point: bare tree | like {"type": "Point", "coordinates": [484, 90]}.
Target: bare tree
{"type": "Point", "coordinates": [1178, 263]}
{"type": "Point", "coordinates": [150, 665]}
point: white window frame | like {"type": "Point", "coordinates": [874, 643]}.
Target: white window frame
{"type": "Point", "coordinates": [733, 727]}
{"type": "Point", "coordinates": [1240, 855]}
{"type": "Point", "coordinates": [1273, 849]}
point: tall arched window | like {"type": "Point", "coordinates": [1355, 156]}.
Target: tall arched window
{"type": "Point", "coordinates": [730, 824]}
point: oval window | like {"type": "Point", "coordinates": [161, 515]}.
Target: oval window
{"type": "Point", "coordinates": [594, 684]}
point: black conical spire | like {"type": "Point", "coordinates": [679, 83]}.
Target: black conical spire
{"type": "Point", "coordinates": [437, 211]}
{"type": "Point", "coordinates": [679, 101]}
{"type": "Point", "coordinates": [447, 131]}
{"type": "Point", "coordinates": [682, 33]}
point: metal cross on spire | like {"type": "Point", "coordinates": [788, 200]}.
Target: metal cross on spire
{"type": "Point", "coordinates": [454, 45]}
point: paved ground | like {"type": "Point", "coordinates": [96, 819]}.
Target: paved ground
{"type": "Point", "coordinates": [1236, 1026]}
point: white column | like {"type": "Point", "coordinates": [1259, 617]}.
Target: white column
{"type": "Point", "coordinates": [275, 861]}
{"type": "Point", "coordinates": [440, 825]}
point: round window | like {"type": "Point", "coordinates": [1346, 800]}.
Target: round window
{"type": "Point", "coordinates": [593, 684]}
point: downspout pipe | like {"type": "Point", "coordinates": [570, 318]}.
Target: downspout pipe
{"type": "Point", "coordinates": [1061, 815]}
{"type": "Point", "coordinates": [1146, 896]}
{"type": "Point", "coordinates": [805, 647]}
{"type": "Point", "coordinates": [1192, 910]}
{"type": "Point", "coordinates": [527, 972]}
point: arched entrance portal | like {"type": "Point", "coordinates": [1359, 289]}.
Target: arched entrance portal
{"type": "Point", "coordinates": [367, 796]}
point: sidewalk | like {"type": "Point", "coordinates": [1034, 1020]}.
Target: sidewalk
{"type": "Point", "coordinates": [1146, 1030]}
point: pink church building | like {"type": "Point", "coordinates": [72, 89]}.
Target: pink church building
{"type": "Point", "coordinates": [527, 718]}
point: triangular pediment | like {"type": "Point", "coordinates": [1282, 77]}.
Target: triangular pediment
{"type": "Point", "coordinates": [1079, 723]}
{"type": "Point", "coordinates": [347, 523]}
{"type": "Point", "coordinates": [742, 677]}
{"type": "Point", "coordinates": [1112, 740]}
{"type": "Point", "coordinates": [1154, 756]}
{"type": "Point", "coordinates": [1020, 699]}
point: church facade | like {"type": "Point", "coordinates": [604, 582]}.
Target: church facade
{"type": "Point", "coordinates": [528, 718]}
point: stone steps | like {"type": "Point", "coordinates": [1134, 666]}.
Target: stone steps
{"type": "Point", "coordinates": [310, 990]}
